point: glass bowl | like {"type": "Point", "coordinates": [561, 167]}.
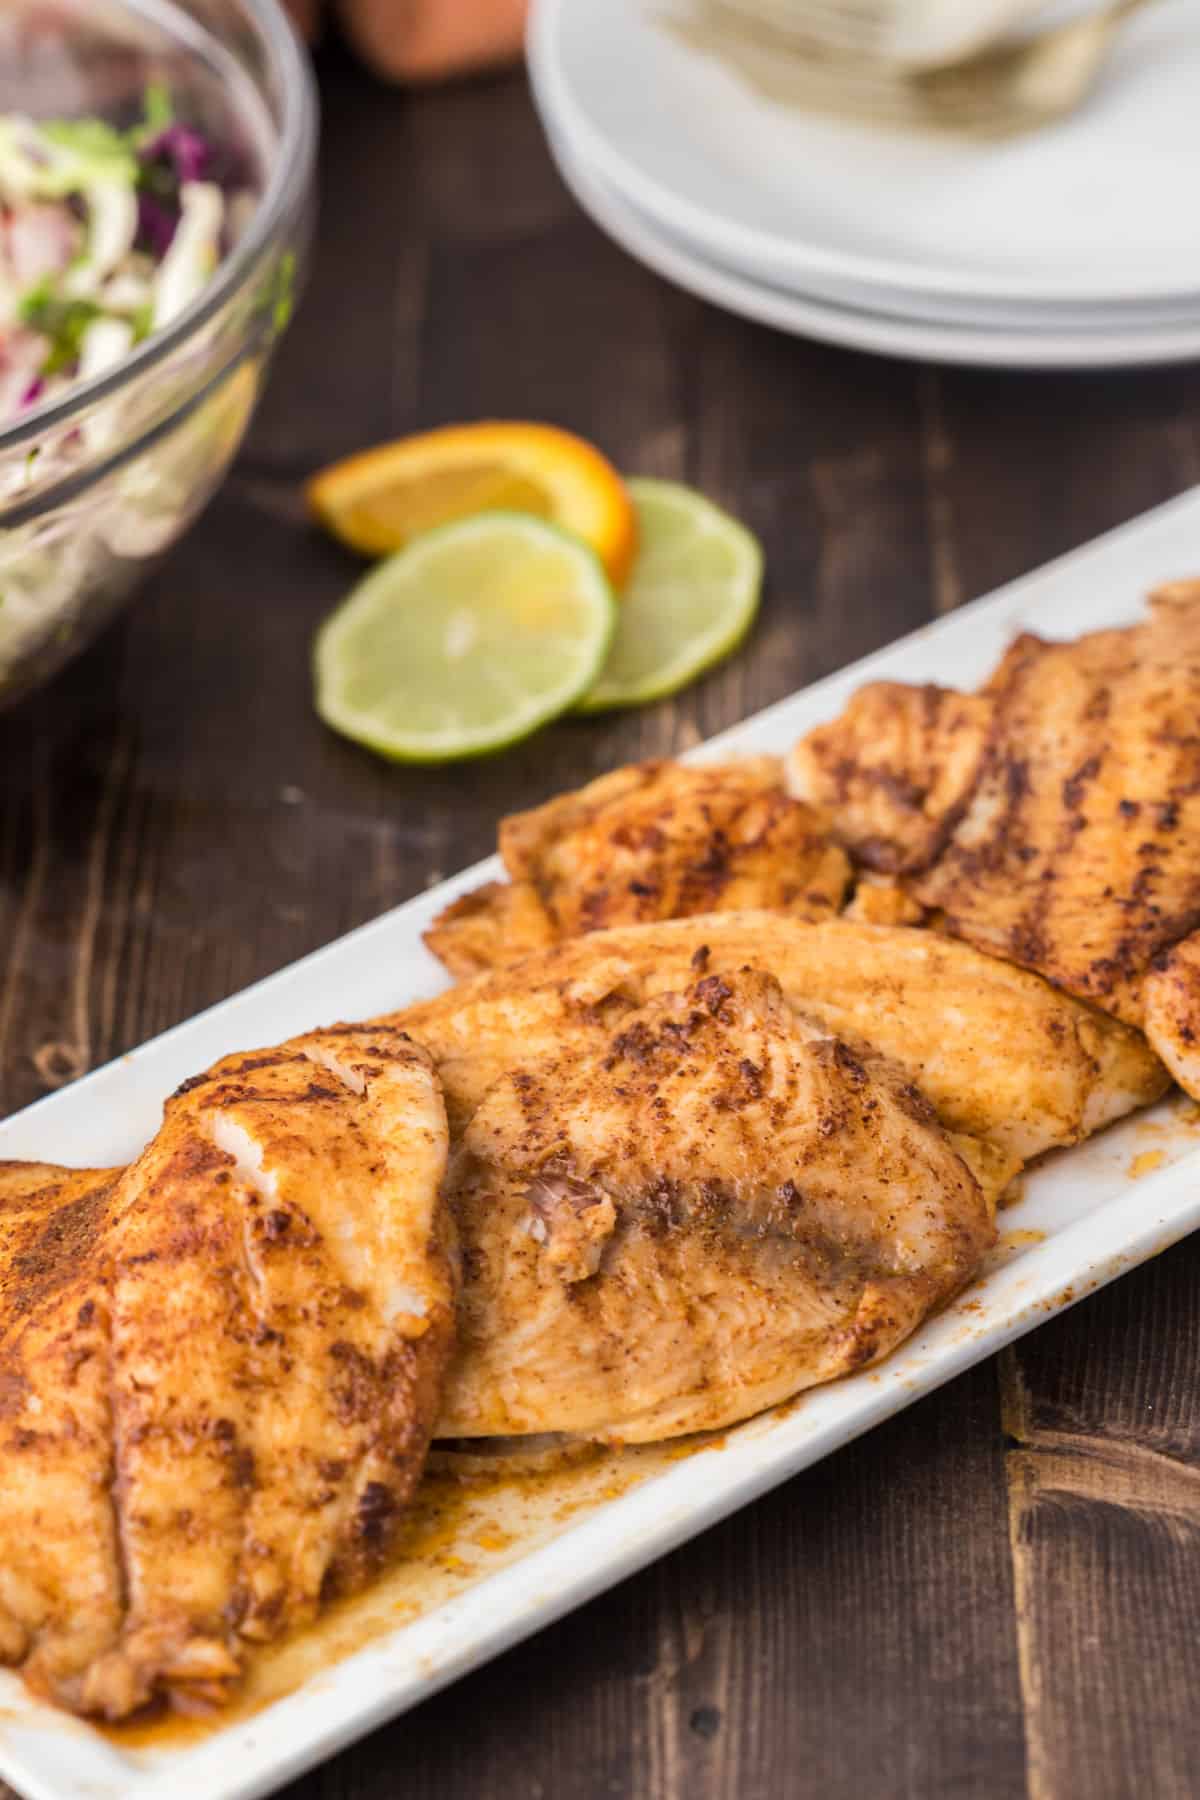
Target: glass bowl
{"type": "Point", "coordinates": [96, 487]}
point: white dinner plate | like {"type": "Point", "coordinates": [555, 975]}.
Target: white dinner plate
{"type": "Point", "coordinates": [1085, 1216]}
{"type": "Point", "coordinates": [1099, 209]}
{"type": "Point", "coordinates": [859, 329]}
{"type": "Point", "coordinates": [1007, 318]}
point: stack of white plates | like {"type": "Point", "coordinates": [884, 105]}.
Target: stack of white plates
{"type": "Point", "coordinates": [1075, 246]}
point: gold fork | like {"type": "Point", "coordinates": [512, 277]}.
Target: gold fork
{"type": "Point", "coordinates": [1010, 88]}
{"type": "Point", "coordinates": [920, 33]}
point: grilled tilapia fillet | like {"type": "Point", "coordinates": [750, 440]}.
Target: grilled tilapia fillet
{"type": "Point", "coordinates": [1007, 1061]}
{"type": "Point", "coordinates": [657, 840]}
{"type": "Point", "coordinates": [895, 771]}
{"type": "Point", "coordinates": [1053, 819]}
{"type": "Point", "coordinates": [61, 1598]}
{"type": "Point", "coordinates": [712, 1205]}
{"type": "Point", "coordinates": [220, 1369]}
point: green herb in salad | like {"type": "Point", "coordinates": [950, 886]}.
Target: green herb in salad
{"type": "Point", "coordinates": [99, 150]}
{"type": "Point", "coordinates": [64, 324]}
{"type": "Point", "coordinates": [158, 111]}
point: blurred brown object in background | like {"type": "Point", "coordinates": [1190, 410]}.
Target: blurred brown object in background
{"type": "Point", "coordinates": [425, 40]}
{"type": "Point", "coordinates": [307, 14]}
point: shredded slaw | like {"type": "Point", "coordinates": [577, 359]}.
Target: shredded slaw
{"type": "Point", "coordinates": [105, 236]}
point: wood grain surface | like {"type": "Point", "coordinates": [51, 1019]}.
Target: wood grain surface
{"type": "Point", "coordinates": [993, 1595]}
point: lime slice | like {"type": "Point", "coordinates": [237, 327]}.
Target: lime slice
{"type": "Point", "coordinates": [691, 598]}
{"type": "Point", "coordinates": [466, 640]}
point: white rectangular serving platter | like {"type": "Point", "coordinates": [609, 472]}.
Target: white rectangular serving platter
{"type": "Point", "coordinates": [1086, 1215]}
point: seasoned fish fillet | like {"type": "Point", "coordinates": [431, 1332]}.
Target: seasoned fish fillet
{"type": "Point", "coordinates": [495, 924]}
{"type": "Point", "coordinates": [713, 1205]}
{"type": "Point", "coordinates": [61, 1595]}
{"type": "Point", "coordinates": [1071, 843]}
{"type": "Point", "coordinates": [895, 771]}
{"type": "Point", "coordinates": [221, 1368]}
{"type": "Point", "coordinates": [880, 900]}
{"type": "Point", "coordinates": [1004, 1058]}
{"type": "Point", "coordinates": [1172, 1020]}
{"type": "Point", "coordinates": [657, 840]}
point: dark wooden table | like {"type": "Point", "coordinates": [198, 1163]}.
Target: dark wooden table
{"type": "Point", "coordinates": [995, 1594]}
